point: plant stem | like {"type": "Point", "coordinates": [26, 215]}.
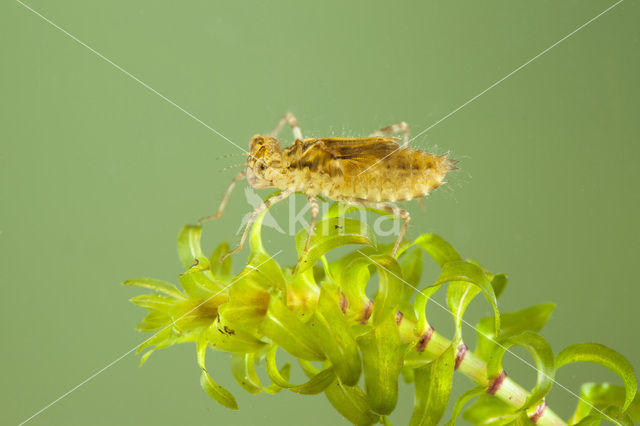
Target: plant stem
{"type": "Point", "coordinates": [476, 369]}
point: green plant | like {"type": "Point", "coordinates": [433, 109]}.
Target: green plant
{"type": "Point", "coordinates": [323, 315]}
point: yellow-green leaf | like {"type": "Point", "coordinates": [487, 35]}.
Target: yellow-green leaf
{"type": "Point", "coordinates": [217, 392]}
{"type": "Point", "coordinates": [189, 245]}
{"type": "Point", "coordinates": [158, 285]}
{"type": "Point", "coordinates": [330, 234]}
{"type": "Point", "coordinates": [316, 384]}
{"type": "Point", "coordinates": [284, 328]}
{"type": "Point", "coordinates": [221, 269]}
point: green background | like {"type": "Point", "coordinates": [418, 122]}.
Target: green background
{"type": "Point", "coordinates": [98, 174]}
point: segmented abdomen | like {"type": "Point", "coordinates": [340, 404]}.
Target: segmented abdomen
{"type": "Point", "coordinates": [401, 177]}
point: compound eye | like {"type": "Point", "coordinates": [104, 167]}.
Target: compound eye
{"type": "Point", "coordinates": [256, 142]}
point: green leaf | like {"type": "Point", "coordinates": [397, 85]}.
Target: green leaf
{"type": "Point", "coordinates": [338, 209]}
{"type": "Point", "coordinates": [432, 389]}
{"type": "Point", "coordinates": [255, 235]}
{"type": "Point", "coordinates": [499, 283]}
{"type": "Point", "coordinates": [285, 372]}
{"type": "Point", "coordinates": [390, 288]}
{"type": "Point", "coordinates": [600, 354]}
{"type": "Point", "coordinates": [302, 293]}
{"type": "Point", "coordinates": [411, 265]}
{"type": "Point", "coordinates": [600, 396]}
{"type": "Point", "coordinates": [436, 247]}
{"type": "Point", "coordinates": [189, 249]}
{"type": "Point", "coordinates": [153, 302]}
{"type": "Point", "coordinates": [462, 401]}
{"type": "Point", "coordinates": [382, 353]}
{"type": "Point", "coordinates": [352, 272]}
{"type": "Point", "coordinates": [489, 410]}
{"type": "Point", "coordinates": [201, 349]}
{"type": "Point", "coordinates": [315, 385]}
{"type": "Point", "coordinates": [333, 334]}
{"type": "Point", "coordinates": [543, 356]}
{"type": "Point", "coordinates": [221, 269]}
{"type": "Point", "coordinates": [512, 323]}
{"type": "Point", "coordinates": [157, 285]}
{"type": "Point", "coordinates": [352, 403]}
{"type": "Point", "coordinates": [420, 308]}
{"type": "Point", "coordinates": [609, 414]}
{"type": "Point", "coordinates": [243, 370]}
{"type": "Point", "coordinates": [228, 339]}
{"type": "Point", "coordinates": [267, 271]}
{"type": "Point", "coordinates": [154, 320]}
{"type": "Point", "coordinates": [468, 272]}
{"type": "Point", "coordinates": [163, 339]}
{"type": "Point", "coordinates": [248, 300]}
{"type": "Point", "coordinates": [459, 295]}
{"type": "Point", "coordinates": [330, 234]}
{"type": "Point", "coordinates": [522, 420]}
{"type": "Point", "coordinates": [217, 392]}
{"type": "Point", "coordinates": [284, 328]}
{"type": "Point", "coordinates": [349, 401]}
{"type": "Point", "coordinates": [196, 285]}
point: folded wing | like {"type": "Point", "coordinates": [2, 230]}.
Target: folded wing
{"type": "Point", "coordinates": [347, 156]}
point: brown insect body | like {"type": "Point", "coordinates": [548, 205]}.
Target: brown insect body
{"type": "Point", "coordinates": [373, 169]}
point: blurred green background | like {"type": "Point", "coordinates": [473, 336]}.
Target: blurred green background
{"type": "Point", "coordinates": [98, 173]}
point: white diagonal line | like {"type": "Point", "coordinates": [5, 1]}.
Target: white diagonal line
{"type": "Point", "coordinates": [133, 77]}
{"type": "Point", "coordinates": [497, 82]}
{"type": "Point", "coordinates": [494, 341]}
{"type": "Point", "coordinates": [128, 74]}
{"type": "Point", "coordinates": [138, 345]}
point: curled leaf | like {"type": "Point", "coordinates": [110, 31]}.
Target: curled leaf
{"type": "Point", "coordinates": [607, 357]}
{"type": "Point", "coordinates": [468, 272]}
{"type": "Point", "coordinates": [189, 249]}
{"type": "Point", "coordinates": [318, 383]}
{"type": "Point", "coordinates": [512, 323]}
{"type": "Point", "coordinates": [214, 390]}
{"type": "Point", "coordinates": [330, 234]}
{"type": "Point", "coordinates": [461, 401]}
{"type": "Point", "coordinates": [543, 356]}
{"type": "Point", "coordinates": [217, 392]}
{"type": "Point", "coordinates": [436, 247]}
